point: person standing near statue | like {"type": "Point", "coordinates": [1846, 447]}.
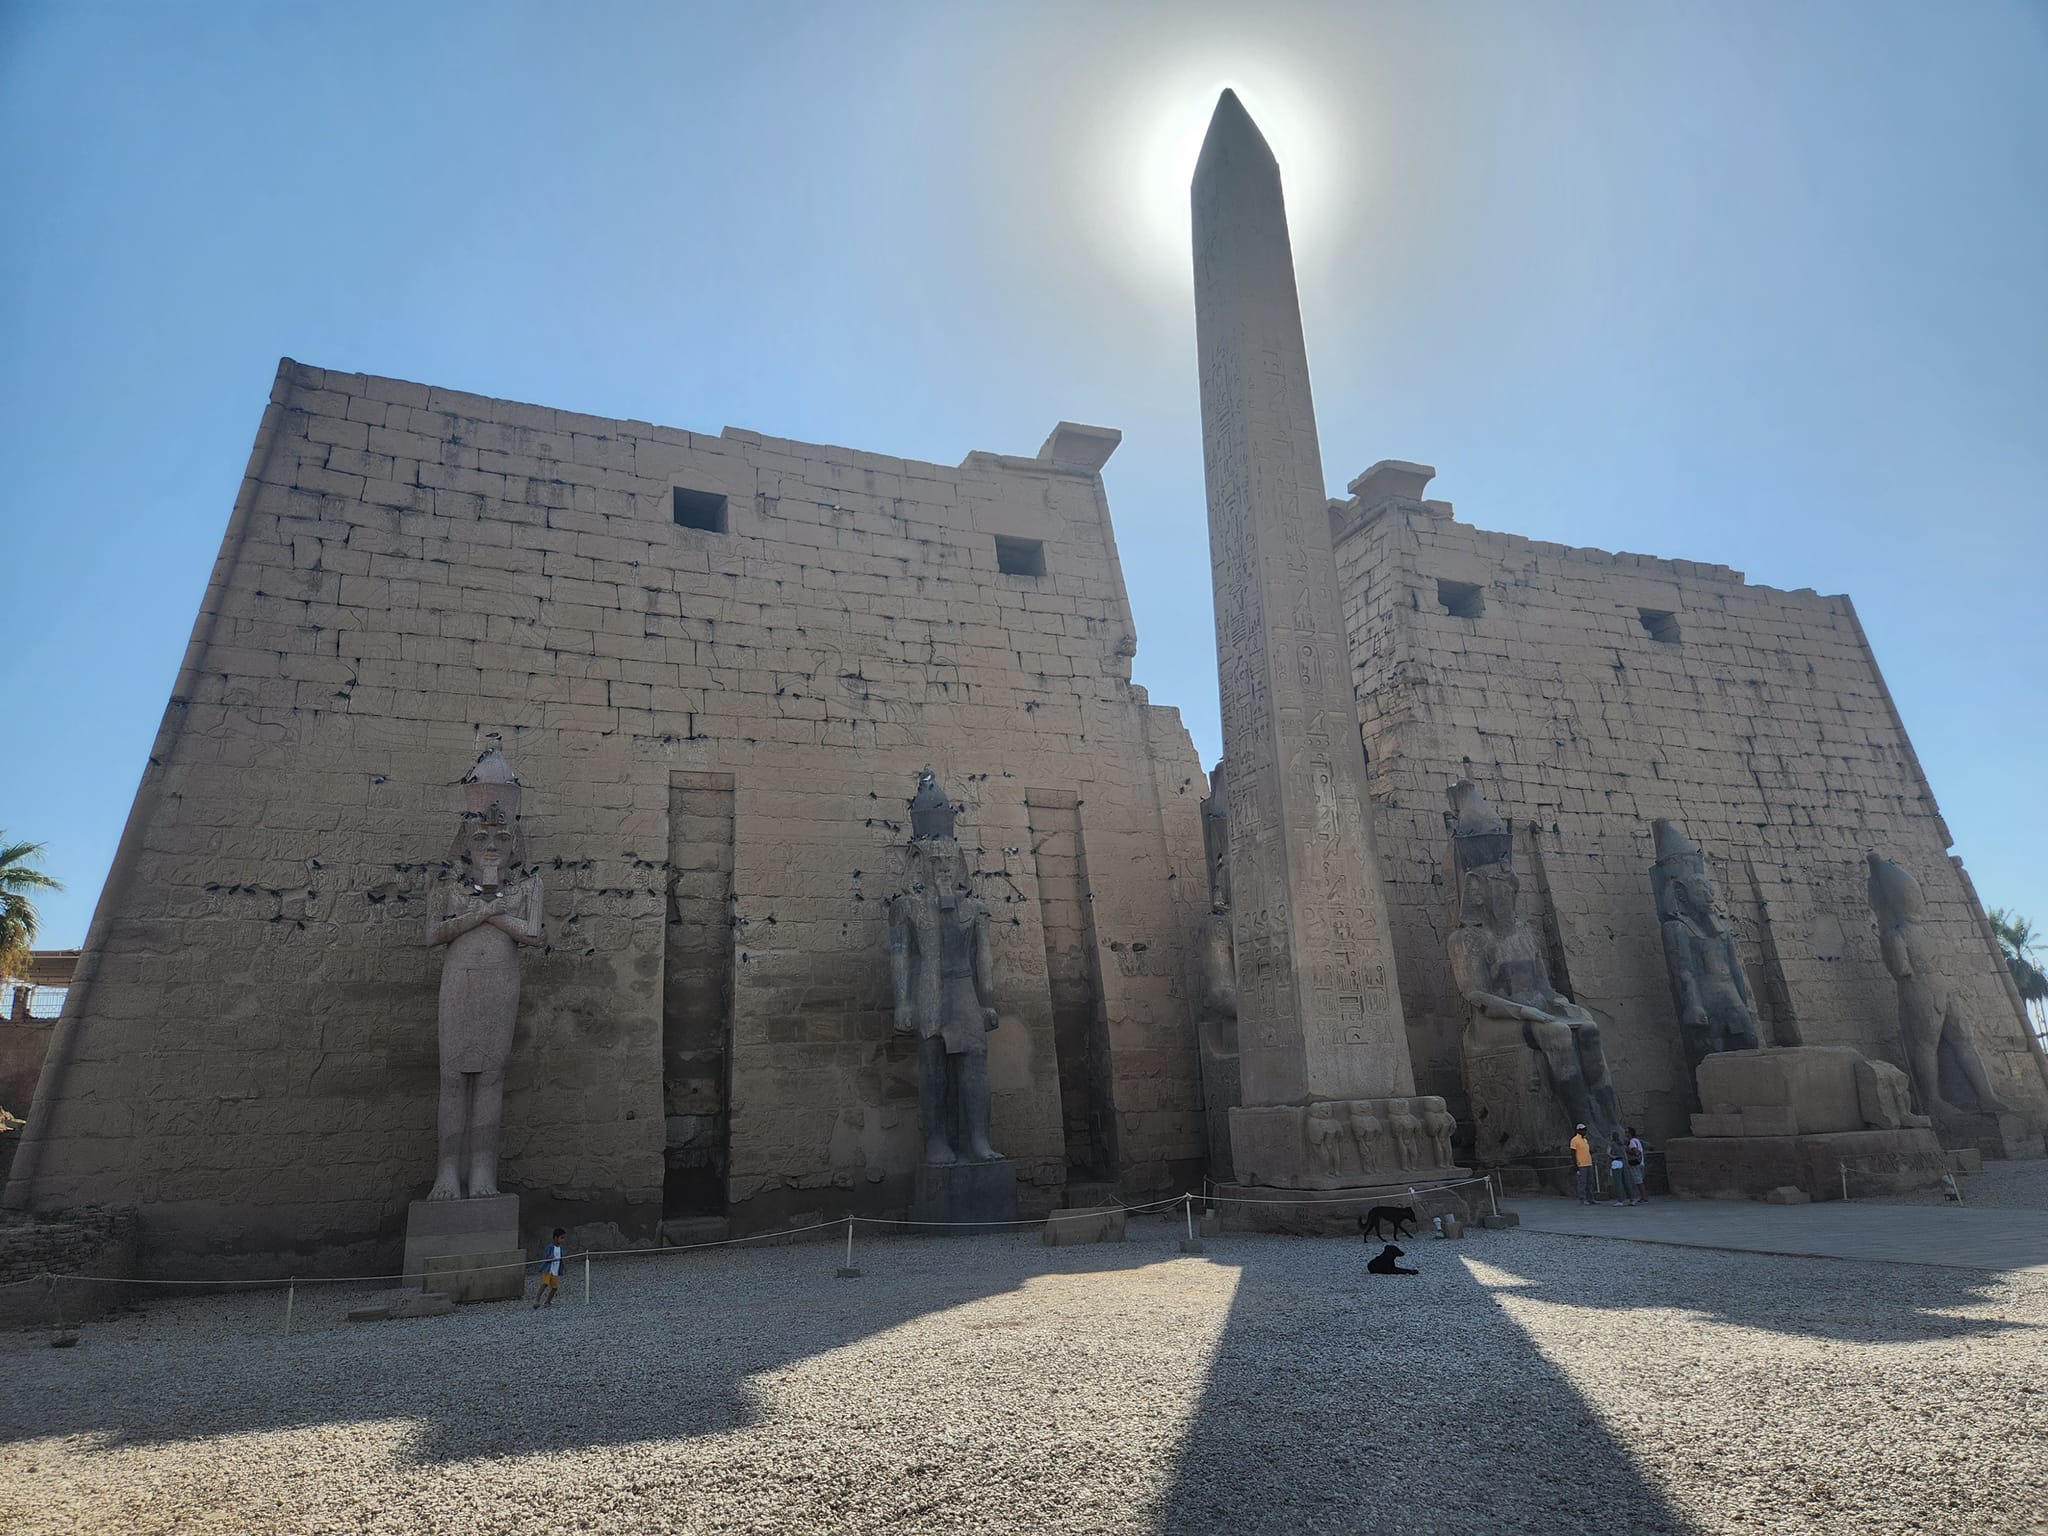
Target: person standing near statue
{"type": "Point", "coordinates": [940, 973]}
{"type": "Point", "coordinates": [1582, 1164]}
{"type": "Point", "coordinates": [1617, 1167]}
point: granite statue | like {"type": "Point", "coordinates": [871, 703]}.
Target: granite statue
{"type": "Point", "coordinates": [1499, 965]}
{"type": "Point", "coordinates": [485, 908]}
{"type": "Point", "coordinates": [941, 976]}
{"type": "Point", "coordinates": [1708, 987]}
{"type": "Point", "coordinates": [1931, 1017]}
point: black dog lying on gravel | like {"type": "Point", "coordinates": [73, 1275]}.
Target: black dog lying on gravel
{"type": "Point", "coordinates": [1399, 1215]}
{"type": "Point", "coordinates": [1385, 1265]}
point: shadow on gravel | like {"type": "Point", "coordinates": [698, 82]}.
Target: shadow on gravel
{"type": "Point", "coordinates": [1852, 1301]}
{"type": "Point", "coordinates": [1392, 1403]}
{"type": "Point", "coordinates": [502, 1380]}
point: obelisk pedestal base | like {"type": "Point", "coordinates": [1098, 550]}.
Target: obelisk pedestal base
{"type": "Point", "coordinates": [459, 1229]}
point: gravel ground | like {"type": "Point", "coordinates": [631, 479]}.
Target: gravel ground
{"type": "Point", "coordinates": [1521, 1383]}
{"type": "Point", "coordinates": [2012, 1186]}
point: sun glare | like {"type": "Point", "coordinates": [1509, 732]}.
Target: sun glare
{"type": "Point", "coordinates": [1159, 137]}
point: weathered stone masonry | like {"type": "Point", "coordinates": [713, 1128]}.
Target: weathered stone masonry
{"type": "Point", "coordinates": [1588, 693]}
{"type": "Point", "coordinates": [249, 1051]}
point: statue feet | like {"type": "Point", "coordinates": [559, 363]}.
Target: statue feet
{"type": "Point", "coordinates": [982, 1152]}
{"type": "Point", "coordinates": [938, 1152]}
{"type": "Point", "coordinates": [482, 1184]}
{"type": "Point", "coordinates": [446, 1187]}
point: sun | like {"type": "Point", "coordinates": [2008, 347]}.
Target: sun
{"type": "Point", "coordinates": [1158, 137]}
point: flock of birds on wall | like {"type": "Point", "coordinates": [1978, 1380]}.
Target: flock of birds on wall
{"type": "Point", "coordinates": [394, 893]}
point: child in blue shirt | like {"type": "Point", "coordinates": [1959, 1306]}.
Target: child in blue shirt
{"type": "Point", "coordinates": [550, 1270]}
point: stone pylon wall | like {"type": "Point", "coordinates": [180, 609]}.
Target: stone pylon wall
{"type": "Point", "coordinates": [250, 1049]}
{"type": "Point", "coordinates": [1757, 719]}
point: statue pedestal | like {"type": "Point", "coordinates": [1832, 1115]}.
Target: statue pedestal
{"type": "Point", "coordinates": [1312, 1147]}
{"type": "Point", "coordinates": [1749, 1167]}
{"type": "Point", "coordinates": [1993, 1135]}
{"type": "Point", "coordinates": [1798, 1115]}
{"type": "Point", "coordinates": [461, 1229]}
{"type": "Point", "coordinates": [964, 1196]}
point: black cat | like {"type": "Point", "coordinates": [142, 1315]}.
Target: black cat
{"type": "Point", "coordinates": [1385, 1265]}
{"type": "Point", "coordinates": [1399, 1215]}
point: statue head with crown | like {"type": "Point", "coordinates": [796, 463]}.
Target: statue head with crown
{"type": "Point", "coordinates": [489, 843]}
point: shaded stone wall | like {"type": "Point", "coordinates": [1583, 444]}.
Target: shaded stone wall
{"type": "Point", "coordinates": [249, 1051]}
{"type": "Point", "coordinates": [24, 1042]}
{"type": "Point", "coordinates": [96, 1241]}
{"type": "Point", "coordinates": [1587, 693]}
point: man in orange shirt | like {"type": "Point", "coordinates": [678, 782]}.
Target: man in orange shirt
{"type": "Point", "coordinates": [1582, 1160]}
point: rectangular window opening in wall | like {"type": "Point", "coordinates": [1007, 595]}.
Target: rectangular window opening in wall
{"type": "Point", "coordinates": [1661, 627]}
{"type": "Point", "coordinates": [1461, 599]}
{"type": "Point", "coordinates": [1020, 557]}
{"type": "Point", "coordinates": [699, 509]}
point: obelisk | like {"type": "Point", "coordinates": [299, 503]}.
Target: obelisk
{"type": "Point", "coordinates": [1319, 1013]}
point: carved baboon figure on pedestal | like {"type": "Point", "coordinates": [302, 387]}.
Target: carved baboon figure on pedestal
{"type": "Point", "coordinates": [1715, 1009]}
{"type": "Point", "coordinates": [1518, 1021]}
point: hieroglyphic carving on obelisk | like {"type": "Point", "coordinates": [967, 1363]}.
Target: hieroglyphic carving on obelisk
{"type": "Point", "coordinates": [1319, 1015]}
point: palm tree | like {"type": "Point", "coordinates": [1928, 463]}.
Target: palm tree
{"type": "Point", "coordinates": [19, 877]}
{"type": "Point", "coordinates": [2016, 939]}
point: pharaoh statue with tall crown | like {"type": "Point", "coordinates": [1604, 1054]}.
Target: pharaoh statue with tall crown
{"type": "Point", "coordinates": [940, 977]}
{"type": "Point", "coordinates": [483, 910]}
{"type": "Point", "coordinates": [1715, 1010]}
{"type": "Point", "coordinates": [1534, 1063]}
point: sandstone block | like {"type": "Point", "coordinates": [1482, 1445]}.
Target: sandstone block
{"type": "Point", "coordinates": [1771, 1120]}
{"type": "Point", "coordinates": [1722, 1123]}
{"type": "Point", "coordinates": [436, 1228]}
{"type": "Point", "coordinates": [496, 1275]}
{"type": "Point", "coordinates": [1086, 1224]}
{"type": "Point", "coordinates": [956, 1198]}
{"type": "Point", "coordinates": [1748, 1167]}
{"type": "Point", "coordinates": [1818, 1083]}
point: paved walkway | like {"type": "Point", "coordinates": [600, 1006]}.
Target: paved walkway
{"type": "Point", "coordinates": [1889, 1234]}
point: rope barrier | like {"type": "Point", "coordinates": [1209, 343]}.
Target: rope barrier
{"type": "Point", "coordinates": [290, 1283]}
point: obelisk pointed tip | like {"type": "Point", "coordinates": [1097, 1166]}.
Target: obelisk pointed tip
{"type": "Point", "coordinates": [1233, 137]}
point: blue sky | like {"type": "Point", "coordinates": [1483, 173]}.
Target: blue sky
{"type": "Point", "coordinates": [1760, 284]}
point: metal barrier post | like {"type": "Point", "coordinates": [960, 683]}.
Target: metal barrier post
{"type": "Point", "coordinates": [291, 1296]}
{"type": "Point", "coordinates": [586, 1279]}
